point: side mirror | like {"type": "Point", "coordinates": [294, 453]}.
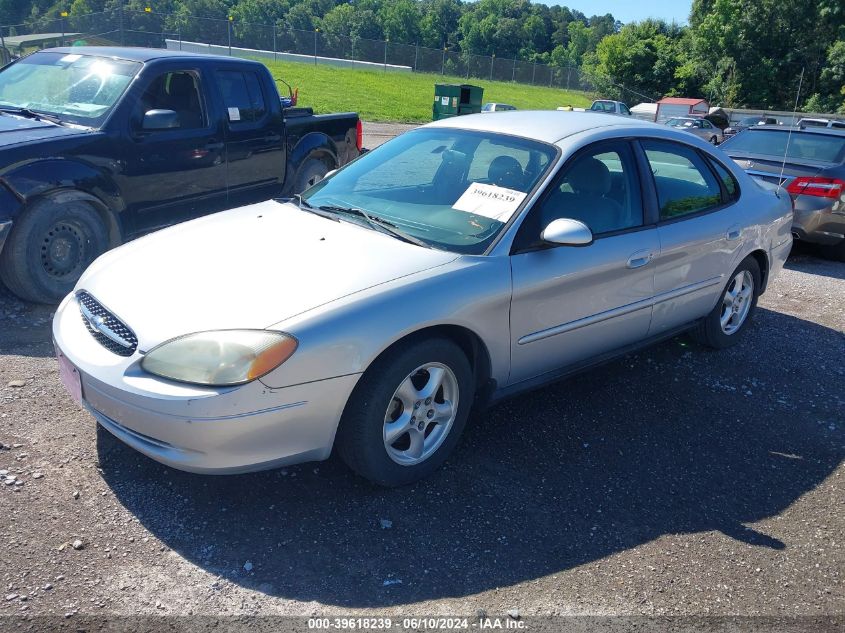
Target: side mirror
{"type": "Point", "coordinates": [567, 232]}
{"type": "Point", "coordinates": [160, 120]}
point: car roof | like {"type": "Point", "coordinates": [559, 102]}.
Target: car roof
{"type": "Point", "coordinates": [138, 54]}
{"type": "Point", "coordinates": [824, 131]}
{"type": "Point", "coordinates": [548, 126]}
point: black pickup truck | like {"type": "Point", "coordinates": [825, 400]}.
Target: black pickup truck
{"type": "Point", "coordinates": [101, 145]}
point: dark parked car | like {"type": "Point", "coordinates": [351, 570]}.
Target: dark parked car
{"type": "Point", "coordinates": [813, 174]}
{"type": "Point", "coordinates": [747, 122]}
{"type": "Point", "coordinates": [101, 145]}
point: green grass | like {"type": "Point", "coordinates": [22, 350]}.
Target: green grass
{"type": "Point", "coordinates": [403, 97]}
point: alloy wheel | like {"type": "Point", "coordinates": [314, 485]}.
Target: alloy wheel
{"type": "Point", "coordinates": [736, 302]}
{"type": "Point", "coordinates": [421, 414]}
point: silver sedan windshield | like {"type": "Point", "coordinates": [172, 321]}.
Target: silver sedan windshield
{"type": "Point", "coordinates": [449, 188]}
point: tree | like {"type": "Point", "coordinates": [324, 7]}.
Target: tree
{"type": "Point", "coordinates": [400, 21]}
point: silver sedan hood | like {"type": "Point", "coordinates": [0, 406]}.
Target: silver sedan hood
{"type": "Point", "coordinates": [245, 268]}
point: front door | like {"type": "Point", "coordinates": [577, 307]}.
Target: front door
{"type": "Point", "coordinates": [174, 174]}
{"type": "Point", "coordinates": [573, 303]}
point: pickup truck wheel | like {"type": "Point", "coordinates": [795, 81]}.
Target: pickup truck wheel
{"type": "Point", "coordinates": [836, 252]}
{"type": "Point", "coordinates": [49, 248]}
{"type": "Point", "coordinates": [313, 170]}
{"type": "Point", "coordinates": [407, 413]}
{"type": "Point", "coordinates": [724, 326]}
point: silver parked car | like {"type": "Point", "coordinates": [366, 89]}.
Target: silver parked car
{"type": "Point", "coordinates": [456, 265]}
{"type": "Point", "coordinates": [702, 128]}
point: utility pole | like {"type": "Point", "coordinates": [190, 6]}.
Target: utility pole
{"type": "Point", "coordinates": [230, 34]}
{"type": "Point", "coordinates": [385, 54]}
{"type": "Point", "coordinates": [274, 41]}
{"type": "Point", "coordinates": [443, 62]}
{"type": "Point", "coordinates": [492, 59]}
{"type": "Point", "coordinates": [315, 45]}
{"type": "Point", "coordinates": [64, 15]}
{"type": "Point", "coordinates": [513, 74]}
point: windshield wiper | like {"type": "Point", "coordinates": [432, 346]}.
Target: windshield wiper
{"type": "Point", "coordinates": [376, 222]}
{"type": "Point", "coordinates": [31, 114]}
{"type": "Point", "coordinates": [304, 206]}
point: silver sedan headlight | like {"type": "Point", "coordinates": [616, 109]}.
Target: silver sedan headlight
{"type": "Point", "coordinates": [220, 358]}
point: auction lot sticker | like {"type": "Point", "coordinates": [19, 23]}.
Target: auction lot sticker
{"type": "Point", "coordinates": [497, 203]}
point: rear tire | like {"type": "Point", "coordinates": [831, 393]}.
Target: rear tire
{"type": "Point", "coordinates": [407, 412]}
{"type": "Point", "coordinates": [313, 170]}
{"type": "Point", "coordinates": [50, 246]}
{"type": "Point", "coordinates": [729, 319]}
{"type": "Point", "coordinates": [835, 252]}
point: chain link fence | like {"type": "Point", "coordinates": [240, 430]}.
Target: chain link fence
{"type": "Point", "coordinates": [123, 27]}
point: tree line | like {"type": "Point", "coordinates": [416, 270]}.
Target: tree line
{"type": "Point", "coordinates": [734, 53]}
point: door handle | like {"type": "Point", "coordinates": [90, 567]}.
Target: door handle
{"type": "Point", "coordinates": [639, 259]}
{"type": "Point", "coordinates": [272, 138]}
{"type": "Point", "coordinates": [733, 233]}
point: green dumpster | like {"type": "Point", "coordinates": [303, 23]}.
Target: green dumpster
{"type": "Point", "coordinates": [455, 100]}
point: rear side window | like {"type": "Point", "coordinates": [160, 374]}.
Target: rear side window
{"type": "Point", "coordinates": [727, 180]}
{"type": "Point", "coordinates": [683, 181]}
{"type": "Point", "coordinates": [242, 96]}
{"type": "Point", "coordinates": [802, 145]}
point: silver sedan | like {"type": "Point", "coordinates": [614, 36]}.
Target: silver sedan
{"type": "Point", "coordinates": [702, 128]}
{"type": "Point", "coordinates": [458, 264]}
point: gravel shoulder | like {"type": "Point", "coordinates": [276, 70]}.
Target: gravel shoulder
{"type": "Point", "coordinates": [673, 481]}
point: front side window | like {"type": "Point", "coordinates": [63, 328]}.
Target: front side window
{"type": "Point", "coordinates": [242, 96]}
{"type": "Point", "coordinates": [599, 187]}
{"type": "Point", "coordinates": [177, 91]}
{"type": "Point", "coordinates": [451, 189]}
{"type": "Point", "coordinates": [80, 89]}
{"type": "Point", "coordinates": [683, 181]}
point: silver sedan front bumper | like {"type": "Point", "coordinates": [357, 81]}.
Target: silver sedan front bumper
{"type": "Point", "coordinates": [198, 429]}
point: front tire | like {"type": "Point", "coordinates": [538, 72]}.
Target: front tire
{"type": "Point", "coordinates": [49, 248]}
{"type": "Point", "coordinates": [407, 413]}
{"type": "Point", "coordinates": [729, 319]}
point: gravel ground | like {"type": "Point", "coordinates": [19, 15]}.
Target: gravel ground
{"type": "Point", "coordinates": [377, 133]}
{"type": "Point", "coordinates": [676, 481]}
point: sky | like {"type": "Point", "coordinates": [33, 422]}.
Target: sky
{"type": "Point", "coordinates": [631, 10]}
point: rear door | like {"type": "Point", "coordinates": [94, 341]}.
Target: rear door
{"type": "Point", "coordinates": [573, 303]}
{"type": "Point", "coordinates": [254, 134]}
{"type": "Point", "coordinates": [699, 232]}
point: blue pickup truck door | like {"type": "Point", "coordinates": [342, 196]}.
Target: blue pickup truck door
{"type": "Point", "coordinates": [173, 174]}
{"type": "Point", "coordinates": [255, 152]}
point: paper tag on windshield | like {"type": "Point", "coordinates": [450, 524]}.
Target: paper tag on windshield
{"type": "Point", "coordinates": [497, 203]}
{"type": "Point", "coordinates": [234, 114]}
{"type": "Point", "coordinates": [67, 59]}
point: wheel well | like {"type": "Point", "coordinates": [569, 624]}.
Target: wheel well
{"type": "Point", "coordinates": [106, 215]}
{"type": "Point", "coordinates": [763, 262]}
{"type": "Point", "coordinates": [469, 342]}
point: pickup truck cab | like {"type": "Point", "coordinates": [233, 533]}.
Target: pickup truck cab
{"type": "Point", "coordinates": [101, 145]}
{"type": "Point", "coordinates": [610, 107]}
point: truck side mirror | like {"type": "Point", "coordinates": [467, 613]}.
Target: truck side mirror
{"type": "Point", "coordinates": [160, 120]}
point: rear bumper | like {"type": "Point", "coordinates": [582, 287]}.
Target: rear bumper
{"type": "Point", "coordinates": [819, 226]}
{"type": "Point", "coordinates": [5, 229]}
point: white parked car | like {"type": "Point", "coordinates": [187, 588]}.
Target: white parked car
{"type": "Point", "coordinates": [458, 264]}
{"type": "Point", "coordinates": [610, 107]}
